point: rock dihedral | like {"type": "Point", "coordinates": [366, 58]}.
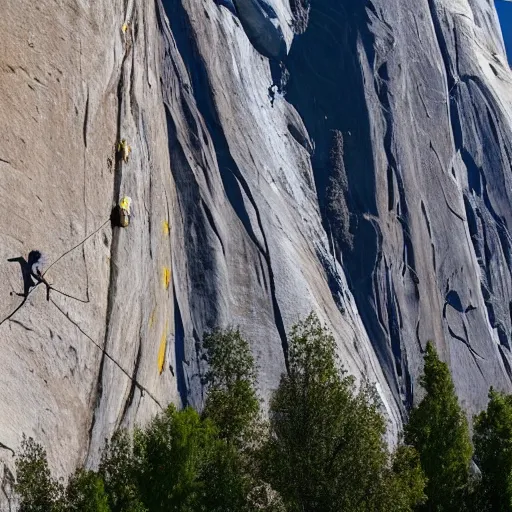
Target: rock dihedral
{"type": "Point", "coordinates": [352, 159]}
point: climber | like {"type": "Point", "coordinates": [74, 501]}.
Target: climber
{"type": "Point", "coordinates": [32, 269]}
{"type": "Point", "coordinates": [36, 261]}
{"type": "Point", "coordinates": [124, 150]}
{"type": "Point", "coordinates": [120, 215]}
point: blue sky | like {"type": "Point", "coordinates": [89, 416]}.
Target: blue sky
{"type": "Point", "coordinates": [505, 14]}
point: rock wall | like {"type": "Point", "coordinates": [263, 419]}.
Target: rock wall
{"type": "Point", "coordinates": [352, 158]}
{"type": "Point", "coordinates": [72, 84]}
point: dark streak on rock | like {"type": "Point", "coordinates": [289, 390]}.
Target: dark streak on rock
{"type": "Point", "coordinates": [86, 118]}
{"type": "Point", "coordinates": [232, 177]}
{"type": "Point", "coordinates": [211, 221]}
{"type": "Point", "coordinates": [22, 325]}
{"type": "Point", "coordinates": [5, 447]}
{"type": "Point", "coordinates": [131, 394]}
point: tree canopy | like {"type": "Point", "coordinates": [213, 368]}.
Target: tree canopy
{"type": "Point", "coordinates": [493, 450]}
{"type": "Point", "coordinates": [322, 448]}
{"type": "Point", "coordinates": [326, 451]}
{"type": "Point", "coordinates": [438, 429]}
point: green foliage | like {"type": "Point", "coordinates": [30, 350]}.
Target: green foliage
{"type": "Point", "coordinates": [438, 429]}
{"type": "Point", "coordinates": [85, 492]}
{"type": "Point", "coordinates": [182, 464]}
{"type": "Point", "coordinates": [180, 461]}
{"type": "Point", "coordinates": [170, 456]}
{"type": "Point", "coordinates": [233, 406]}
{"type": "Point", "coordinates": [37, 490]}
{"type": "Point", "coordinates": [177, 463]}
{"type": "Point", "coordinates": [405, 482]}
{"type": "Point", "coordinates": [117, 469]}
{"type": "Point", "coordinates": [322, 450]}
{"type": "Point", "coordinates": [493, 449]}
{"type": "Point", "coordinates": [232, 403]}
{"type": "Point", "coordinates": [228, 483]}
{"type": "Point", "coordinates": [326, 451]}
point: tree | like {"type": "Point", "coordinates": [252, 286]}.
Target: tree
{"type": "Point", "coordinates": [180, 461]}
{"type": "Point", "coordinates": [322, 450]}
{"type": "Point", "coordinates": [438, 429]}
{"type": "Point", "coordinates": [170, 456]}
{"type": "Point", "coordinates": [85, 492]}
{"type": "Point", "coordinates": [326, 451]}
{"type": "Point", "coordinates": [404, 482]}
{"type": "Point", "coordinates": [181, 464]}
{"type": "Point", "coordinates": [232, 402]}
{"type": "Point", "coordinates": [493, 450]}
{"type": "Point", "coordinates": [38, 491]}
{"type": "Point", "coordinates": [117, 470]}
{"type": "Point", "coordinates": [228, 482]}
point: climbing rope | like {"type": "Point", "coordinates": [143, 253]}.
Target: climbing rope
{"type": "Point", "coordinates": [10, 315]}
{"type": "Point", "coordinates": [142, 388]}
{"type": "Point", "coordinates": [76, 246]}
{"type": "Point", "coordinates": [69, 296]}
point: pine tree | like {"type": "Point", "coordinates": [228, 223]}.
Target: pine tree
{"type": "Point", "coordinates": [438, 429]}
{"type": "Point", "coordinates": [232, 402]}
{"type": "Point", "coordinates": [38, 491]}
{"type": "Point", "coordinates": [493, 450]}
{"type": "Point", "coordinates": [327, 451]}
{"type": "Point", "coordinates": [233, 406]}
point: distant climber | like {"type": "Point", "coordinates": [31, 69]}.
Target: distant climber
{"type": "Point", "coordinates": [120, 215]}
{"type": "Point", "coordinates": [32, 269]}
{"type": "Point", "coordinates": [124, 150]}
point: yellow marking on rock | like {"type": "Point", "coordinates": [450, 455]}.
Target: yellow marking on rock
{"type": "Point", "coordinates": [166, 277]}
{"type": "Point", "coordinates": [161, 351]}
{"type": "Point", "coordinates": [124, 28]}
{"type": "Point", "coordinates": [165, 227]}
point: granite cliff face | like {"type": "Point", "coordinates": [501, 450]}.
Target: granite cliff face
{"type": "Point", "coordinates": [352, 158]}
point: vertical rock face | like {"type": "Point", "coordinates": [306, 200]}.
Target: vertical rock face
{"type": "Point", "coordinates": [353, 159]}
{"type": "Point", "coordinates": [72, 85]}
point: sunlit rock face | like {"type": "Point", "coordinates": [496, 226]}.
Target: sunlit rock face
{"type": "Point", "coordinates": [351, 158]}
